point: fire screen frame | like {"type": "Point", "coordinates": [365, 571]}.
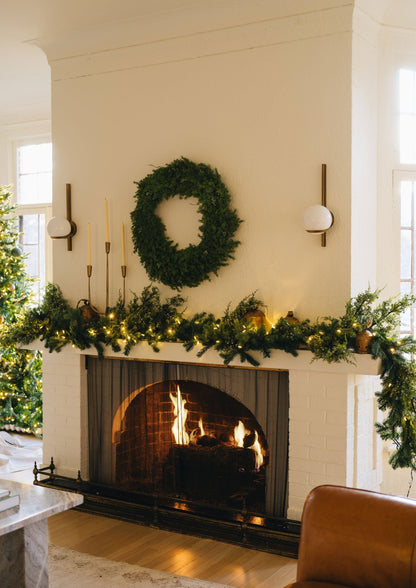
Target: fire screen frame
{"type": "Point", "coordinates": [265, 393]}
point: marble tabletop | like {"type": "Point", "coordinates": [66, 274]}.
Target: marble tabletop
{"type": "Point", "coordinates": [36, 503]}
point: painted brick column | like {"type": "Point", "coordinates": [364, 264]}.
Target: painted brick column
{"type": "Point", "coordinates": [331, 433]}
{"type": "Point", "coordinates": [65, 410]}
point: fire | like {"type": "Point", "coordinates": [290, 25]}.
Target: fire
{"type": "Point", "coordinates": [201, 427]}
{"type": "Point", "coordinates": [257, 448]}
{"type": "Point", "coordinates": [243, 437]}
{"type": "Point", "coordinates": [240, 433]}
{"type": "Point", "coordinates": [180, 412]}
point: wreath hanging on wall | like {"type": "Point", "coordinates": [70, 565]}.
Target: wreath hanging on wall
{"type": "Point", "coordinates": [163, 260]}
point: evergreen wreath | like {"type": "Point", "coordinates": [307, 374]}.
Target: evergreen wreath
{"type": "Point", "coordinates": [163, 260]}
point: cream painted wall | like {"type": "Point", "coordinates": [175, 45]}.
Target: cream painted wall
{"type": "Point", "coordinates": [266, 105]}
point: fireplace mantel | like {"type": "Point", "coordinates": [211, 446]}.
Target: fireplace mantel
{"type": "Point", "coordinates": [363, 364]}
{"type": "Point", "coordinates": [332, 413]}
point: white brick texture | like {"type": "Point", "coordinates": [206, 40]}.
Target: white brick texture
{"type": "Point", "coordinates": [331, 425]}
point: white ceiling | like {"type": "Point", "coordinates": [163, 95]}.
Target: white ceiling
{"type": "Point", "coordinates": [24, 71]}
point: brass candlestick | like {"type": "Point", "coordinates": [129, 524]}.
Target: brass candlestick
{"type": "Point", "coordinates": [123, 273]}
{"type": "Point", "coordinates": [107, 253]}
{"type": "Point", "coordinates": [89, 273]}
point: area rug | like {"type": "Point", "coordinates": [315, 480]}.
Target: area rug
{"type": "Point", "coordinates": [18, 452]}
{"type": "Point", "coordinates": [68, 568]}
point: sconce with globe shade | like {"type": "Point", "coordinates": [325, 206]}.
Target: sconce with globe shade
{"type": "Point", "coordinates": [60, 227]}
{"type": "Point", "coordinates": [318, 218]}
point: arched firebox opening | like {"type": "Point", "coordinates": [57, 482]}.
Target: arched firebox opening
{"type": "Point", "coordinates": [190, 440]}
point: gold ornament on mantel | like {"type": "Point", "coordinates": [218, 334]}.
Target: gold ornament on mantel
{"type": "Point", "coordinates": [258, 318]}
{"type": "Point", "coordinates": [363, 339]}
{"type": "Point", "coordinates": [88, 312]}
{"type": "Point", "coordinates": [290, 318]}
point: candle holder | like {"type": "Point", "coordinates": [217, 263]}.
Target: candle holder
{"type": "Point", "coordinates": [107, 253]}
{"type": "Point", "coordinates": [89, 274]}
{"type": "Point", "coordinates": [123, 273]}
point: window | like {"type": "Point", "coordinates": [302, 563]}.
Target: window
{"type": "Point", "coordinates": [405, 185]}
{"type": "Point", "coordinates": [34, 165]}
{"type": "Point", "coordinates": [407, 189]}
{"type": "Point", "coordinates": [34, 200]}
{"type": "Point", "coordinates": [407, 108]}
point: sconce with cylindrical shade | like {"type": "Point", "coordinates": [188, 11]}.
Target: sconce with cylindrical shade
{"type": "Point", "coordinates": [60, 227]}
{"type": "Point", "coordinates": [317, 218]}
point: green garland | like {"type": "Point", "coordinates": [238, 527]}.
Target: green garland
{"type": "Point", "coordinates": [147, 318]}
{"type": "Point", "coordinates": [161, 257]}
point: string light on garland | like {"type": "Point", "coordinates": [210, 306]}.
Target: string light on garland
{"type": "Point", "coordinates": [148, 318]}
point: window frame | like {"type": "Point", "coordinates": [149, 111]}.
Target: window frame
{"type": "Point", "coordinates": [26, 209]}
{"type": "Point", "coordinates": [409, 175]}
{"type": "Point", "coordinates": [404, 172]}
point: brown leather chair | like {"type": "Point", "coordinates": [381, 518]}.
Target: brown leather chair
{"type": "Point", "coordinates": [357, 539]}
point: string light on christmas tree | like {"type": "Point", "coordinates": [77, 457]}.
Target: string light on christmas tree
{"type": "Point", "coordinates": [20, 377]}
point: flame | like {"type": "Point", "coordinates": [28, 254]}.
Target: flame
{"type": "Point", "coordinates": [201, 427]}
{"type": "Point", "coordinates": [239, 433]}
{"type": "Point", "coordinates": [257, 448]}
{"type": "Point", "coordinates": [180, 412]}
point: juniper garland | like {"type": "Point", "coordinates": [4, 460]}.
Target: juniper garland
{"type": "Point", "coordinates": [234, 335]}
{"type": "Point", "coordinates": [148, 319]}
{"type": "Point", "coordinates": [231, 335]}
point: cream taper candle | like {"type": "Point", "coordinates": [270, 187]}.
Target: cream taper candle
{"type": "Point", "coordinates": [123, 246]}
{"type": "Point", "coordinates": [89, 244]}
{"type": "Point", "coordinates": [107, 226]}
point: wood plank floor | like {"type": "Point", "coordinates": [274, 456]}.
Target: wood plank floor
{"type": "Point", "coordinates": [162, 550]}
{"type": "Point", "coordinates": [171, 552]}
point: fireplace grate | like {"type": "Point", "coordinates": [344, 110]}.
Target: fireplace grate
{"type": "Point", "coordinates": [232, 525]}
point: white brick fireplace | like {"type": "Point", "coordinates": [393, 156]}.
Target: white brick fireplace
{"type": "Point", "coordinates": [331, 417]}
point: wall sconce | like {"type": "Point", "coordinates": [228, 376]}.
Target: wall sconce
{"type": "Point", "coordinates": [317, 218]}
{"type": "Point", "coordinates": [60, 227]}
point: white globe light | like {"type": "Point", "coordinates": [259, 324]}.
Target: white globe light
{"type": "Point", "coordinates": [58, 227]}
{"type": "Point", "coordinates": [317, 219]}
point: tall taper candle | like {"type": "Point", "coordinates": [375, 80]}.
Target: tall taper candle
{"type": "Point", "coordinates": [123, 246]}
{"type": "Point", "coordinates": [89, 244]}
{"type": "Point", "coordinates": [107, 226]}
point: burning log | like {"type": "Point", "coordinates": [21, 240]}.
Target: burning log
{"type": "Point", "coordinates": [249, 439]}
{"type": "Point", "coordinates": [212, 473]}
{"type": "Point", "coordinates": [207, 441]}
{"type": "Point", "coordinates": [194, 436]}
{"type": "Point", "coordinates": [227, 439]}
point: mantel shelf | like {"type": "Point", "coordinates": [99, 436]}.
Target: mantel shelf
{"type": "Point", "coordinates": [279, 360]}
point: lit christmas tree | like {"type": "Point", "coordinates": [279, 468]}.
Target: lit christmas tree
{"type": "Point", "coordinates": [20, 370]}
